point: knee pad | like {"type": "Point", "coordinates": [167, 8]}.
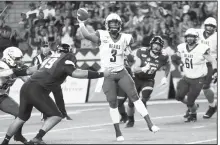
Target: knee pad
{"type": "Point", "coordinates": [146, 94]}
{"type": "Point", "coordinates": [113, 104]}
{"type": "Point", "coordinates": [179, 97]}
{"type": "Point", "coordinates": [121, 100]}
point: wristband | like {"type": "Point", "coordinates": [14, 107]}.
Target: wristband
{"type": "Point", "coordinates": [20, 72]}
{"type": "Point", "coordinates": [94, 75]}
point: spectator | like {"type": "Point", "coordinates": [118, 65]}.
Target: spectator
{"type": "Point", "coordinates": [33, 13]}
{"type": "Point", "coordinates": [5, 38]}
{"type": "Point", "coordinates": [67, 32]}
{"type": "Point", "coordinates": [49, 10]}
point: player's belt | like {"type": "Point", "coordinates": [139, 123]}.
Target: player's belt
{"type": "Point", "coordinates": [118, 71]}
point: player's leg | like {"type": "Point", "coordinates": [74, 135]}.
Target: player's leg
{"type": "Point", "coordinates": [127, 84]}
{"type": "Point", "coordinates": [147, 89]}
{"type": "Point", "coordinates": [121, 97]}
{"type": "Point", "coordinates": [196, 86]}
{"type": "Point", "coordinates": [209, 93]}
{"type": "Point", "coordinates": [24, 114]}
{"type": "Point", "coordinates": [8, 105]}
{"type": "Point", "coordinates": [110, 89]}
{"type": "Point", "coordinates": [43, 102]}
{"type": "Point", "coordinates": [58, 96]}
{"type": "Point", "coordinates": [130, 107]}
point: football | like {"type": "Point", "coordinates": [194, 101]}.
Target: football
{"type": "Point", "coordinates": [82, 14]}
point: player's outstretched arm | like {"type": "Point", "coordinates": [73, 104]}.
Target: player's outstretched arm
{"type": "Point", "coordinates": [83, 74]}
{"type": "Point", "coordinates": [89, 36]}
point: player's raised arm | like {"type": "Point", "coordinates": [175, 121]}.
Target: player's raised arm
{"type": "Point", "coordinates": [81, 17]}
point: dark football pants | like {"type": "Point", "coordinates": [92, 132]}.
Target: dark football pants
{"type": "Point", "coordinates": [124, 81]}
{"type": "Point", "coordinates": [191, 88]}
{"type": "Point", "coordinates": [58, 97]}
{"type": "Point", "coordinates": [34, 95]}
{"type": "Point", "coordinates": [8, 105]}
{"type": "Point", "coordinates": [208, 78]}
{"type": "Point", "coordinates": [145, 87]}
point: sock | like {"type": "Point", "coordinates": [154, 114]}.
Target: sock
{"type": "Point", "coordinates": [212, 104]}
{"type": "Point", "coordinates": [140, 108]}
{"type": "Point", "coordinates": [148, 120]}
{"type": "Point", "coordinates": [130, 111]}
{"type": "Point", "coordinates": [40, 134]}
{"type": "Point", "coordinates": [117, 130]}
{"type": "Point", "coordinates": [114, 115]}
{"type": "Point", "coordinates": [6, 139]}
{"type": "Point", "coordinates": [209, 94]}
{"type": "Point", "coordinates": [193, 109]}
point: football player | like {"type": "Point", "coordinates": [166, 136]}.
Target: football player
{"type": "Point", "coordinates": [114, 46]}
{"type": "Point", "coordinates": [35, 92]}
{"type": "Point", "coordinates": [208, 36]}
{"type": "Point", "coordinates": [193, 56]}
{"type": "Point", "coordinates": [147, 62]}
{"type": "Point", "coordinates": [11, 60]}
{"type": "Point", "coordinates": [57, 92]}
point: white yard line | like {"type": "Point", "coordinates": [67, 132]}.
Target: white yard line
{"type": "Point", "coordinates": [202, 141]}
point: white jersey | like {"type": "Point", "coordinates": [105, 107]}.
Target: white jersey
{"type": "Point", "coordinates": [112, 54]}
{"type": "Point", "coordinates": [194, 62]}
{"type": "Point", "coordinates": [211, 41]}
{"type": "Point", "coordinates": [5, 82]}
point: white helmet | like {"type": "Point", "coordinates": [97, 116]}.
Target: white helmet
{"type": "Point", "coordinates": [191, 32]}
{"type": "Point", "coordinates": [210, 21]}
{"type": "Point", "coordinates": [11, 55]}
{"type": "Point", "coordinates": [113, 17]}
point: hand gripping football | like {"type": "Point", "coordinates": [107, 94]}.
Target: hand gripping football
{"type": "Point", "coordinates": [82, 14]}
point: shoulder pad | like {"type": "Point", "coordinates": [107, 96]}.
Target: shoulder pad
{"type": "Point", "coordinates": [3, 65]}
{"type": "Point", "coordinates": [68, 62]}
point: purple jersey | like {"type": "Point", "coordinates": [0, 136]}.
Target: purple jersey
{"type": "Point", "coordinates": [54, 70]}
{"type": "Point", "coordinates": [155, 63]}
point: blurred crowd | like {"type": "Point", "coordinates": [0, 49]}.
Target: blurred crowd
{"type": "Point", "coordinates": [55, 22]}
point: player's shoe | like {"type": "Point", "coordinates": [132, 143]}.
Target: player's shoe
{"type": "Point", "coordinates": [124, 119]}
{"type": "Point", "coordinates": [66, 117]}
{"type": "Point", "coordinates": [130, 122]}
{"type": "Point", "coordinates": [154, 129]}
{"type": "Point", "coordinates": [120, 138]}
{"type": "Point", "coordinates": [188, 112]}
{"type": "Point", "coordinates": [191, 118]}
{"type": "Point", "coordinates": [36, 141]}
{"type": "Point", "coordinates": [21, 138]}
{"type": "Point", "coordinates": [211, 111]}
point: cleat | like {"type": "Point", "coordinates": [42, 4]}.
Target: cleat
{"type": "Point", "coordinates": [154, 129]}
{"type": "Point", "coordinates": [130, 122]}
{"type": "Point", "coordinates": [187, 112]}
{"type": "Point", "coordinates": [124, 119]}
{"type": "Point", "coordinates": [120, 138]}
{"type": "Point", "coordinates": [20, 138]}
{"type": "Point", "coordinates": [210, 112]}
{"type": "Point", "coordinates": [66, 117]}
{"type": "Point", "coordinates": [191, 118]}
{"type": "Point", "coordinates": [36, 141]}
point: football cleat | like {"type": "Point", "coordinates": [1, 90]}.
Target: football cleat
{"type": "Point", "coordinates": [191, 118]}
{"type": "Point", "coordinates": [36, 141]}
{"type": "Point", "coordinates": [130, 122]}
{"type": "Point", "coordinates": [120, 138]}
{"type": "Point", "coordinates": [154, 129]}
{"type": "Point", "coordinates": [20, 138]}
{"type": "Point", "coordinates": [210, 112]}
{"type": "Point", "coordinates": [124, 119]}
{"type": "Point", "coordinates": [188, 112]}
{"type": "Point", "coordinates": [66, 117]}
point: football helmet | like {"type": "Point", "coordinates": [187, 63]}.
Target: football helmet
{"type": "Point", "coordinates": [66, 48]}
{"type": "Point", "coordinates": [210, 25]}
{"type": "Point", "coordinates": [12, 56]}
{"type": "Point", "coordinates": [191, 36]}
{"type": "Point", "coordinates": [113, 23]}
{"type": "Point", "coordinates": [156, 44]}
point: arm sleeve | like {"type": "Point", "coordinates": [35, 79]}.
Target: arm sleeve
{"type": "Point", "coordinates": [70, 64]}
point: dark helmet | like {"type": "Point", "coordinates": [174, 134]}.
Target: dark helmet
{"type": "Point", "coordinates": [157, 40]}
{"type": "Point", "coordinates": [66, 48]}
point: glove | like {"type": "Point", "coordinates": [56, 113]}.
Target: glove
{"type": "Point", "coordinates": [163, 81]}
{"type": "Point", "coordinates": [145, 68]}
{"type": "Point", "coordinates": [214, 76]}
{"type": "Point", "coordinates": [163, 51]}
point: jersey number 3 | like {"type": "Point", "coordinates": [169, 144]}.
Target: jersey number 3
{"type": "Point", "coordinates": [113, 52]}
